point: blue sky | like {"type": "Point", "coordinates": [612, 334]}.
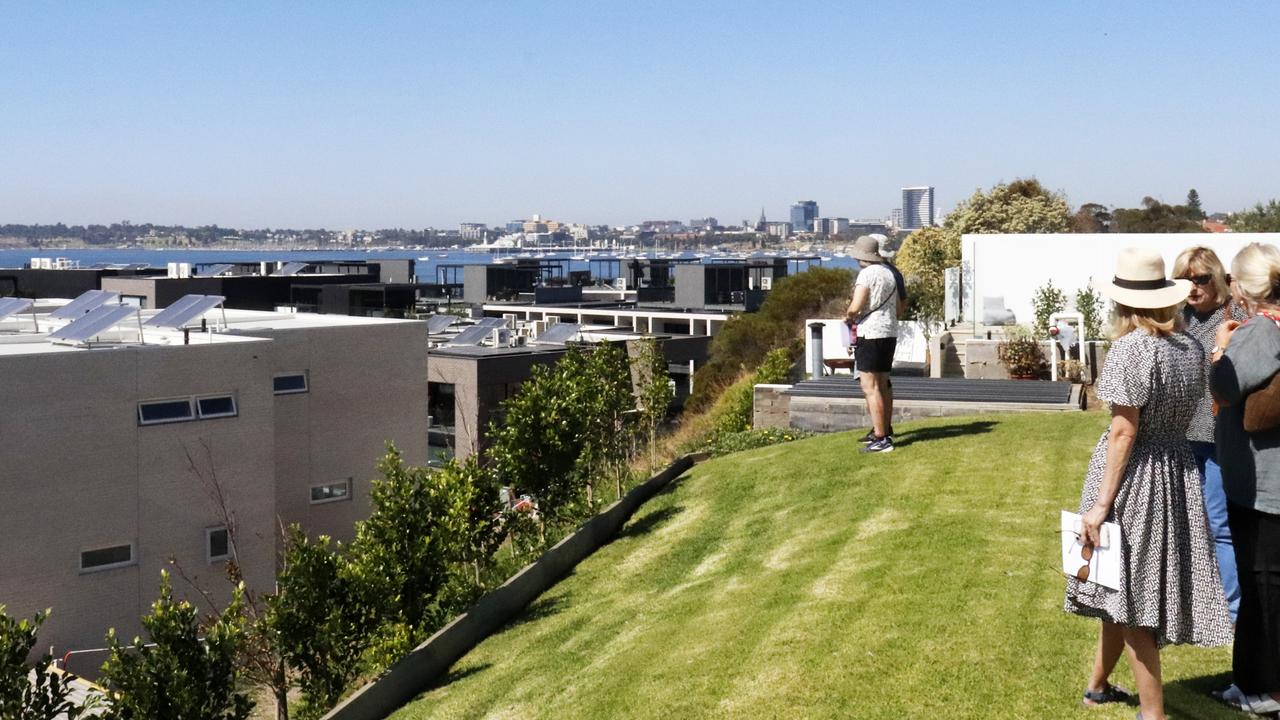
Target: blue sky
{"type": "Point", "coordinates": [390, 114]}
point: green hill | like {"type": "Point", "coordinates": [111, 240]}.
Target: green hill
{"type": "Point", "coordinates": [808, 581]}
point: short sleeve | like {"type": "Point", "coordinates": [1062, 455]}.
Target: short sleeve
{"type": "Point", "coordinates": [863, 279]}
{"type": "Point", "coordinates": [1126, 377]}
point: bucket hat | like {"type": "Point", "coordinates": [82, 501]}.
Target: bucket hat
{"type": "Point", "coordinates": [866, 249]}
{"type": "Point", "coordinates": [1140, 282]}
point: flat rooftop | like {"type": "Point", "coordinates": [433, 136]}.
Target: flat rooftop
{"type": "Point", "coordinates": [17, 335]}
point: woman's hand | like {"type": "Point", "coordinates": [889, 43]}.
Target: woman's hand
{"type": "Point", "coordinates": [1091, 525]}
{"type": "Point", "coordinates": [1224, 333]}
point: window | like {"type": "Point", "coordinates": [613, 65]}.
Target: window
{"type": "Point", "coordinates": [164, 411]}
{"type": "Point", "coordinates": [289, 383]}
{"type": "Point", "coordinates": [106, 558]}
{"type": "Point", "coordinates": [331, 492]}
{"type": "Point", "coordinates": [216, 406]}
{"type": "Point", "coordinates": [217, 544]}
{"type": "Point", "coordinates": [138, 301]}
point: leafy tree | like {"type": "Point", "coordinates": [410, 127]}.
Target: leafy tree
{"type": "Point", "coordinates": [1260, 218]}
{"type": "Point", "coordinates": [415, 538]}
{"type": "Point", "coordinates": [1157, 217]}
{"type": "Point", "coordinates": [923, 260]}
{"type": "Point", "coordinates": [564, 428]}
{"type": "Point", "coordinates": [1193, 204]}
{"type": "Point", "coordinates": [745, 339]}
{"type": "Point", "coordinates": [653, 391]}
{"type": "Point", "coordinates": [1022, 206]}
{"type": "Point", "coordinates": [180, 674]}
{"type": "Point", "coordinates": [321, 618]}
{"type": "Point", "coordinates": [1091, 218]}
{"type": "Point", "coordinates": [31, 692]}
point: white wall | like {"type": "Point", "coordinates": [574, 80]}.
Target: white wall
{"type": "Point", "coordinates": [1013, 266]}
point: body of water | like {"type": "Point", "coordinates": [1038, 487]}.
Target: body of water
{"type": "Point", "coordinates": [427, 259]}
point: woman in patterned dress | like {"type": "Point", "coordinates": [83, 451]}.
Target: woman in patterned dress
{"type": "Point", "coordinates": [1208, 306]}
{"type": "Point", "coordinates": [1143, 476]}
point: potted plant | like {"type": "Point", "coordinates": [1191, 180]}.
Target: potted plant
{"type": "Point", "coordinates": [1020, 354]}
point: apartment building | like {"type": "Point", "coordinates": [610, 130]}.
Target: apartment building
{"type": "Point", "coordinates": [116, 456]}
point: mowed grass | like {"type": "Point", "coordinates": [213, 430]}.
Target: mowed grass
{"type": "Point", "coordinates": [808, 581]}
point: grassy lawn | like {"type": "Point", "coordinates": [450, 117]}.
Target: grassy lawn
{"type": "Point", "coordinates": [808, 581]}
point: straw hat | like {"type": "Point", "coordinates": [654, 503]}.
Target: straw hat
{"type": "Point", "coordinates": [1140, 282]}
{"type": "Point", "coordinates": [866, 249]}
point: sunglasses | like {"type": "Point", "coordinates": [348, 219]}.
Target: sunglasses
{"type": "Point", "coordinates": [1086, 552]}
{"type": "Point", "coordinates": [1202, 280]}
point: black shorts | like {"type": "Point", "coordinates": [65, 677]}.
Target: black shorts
{"type": "Point", "coordinates": [875, 354]}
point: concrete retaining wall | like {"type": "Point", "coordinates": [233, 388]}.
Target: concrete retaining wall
{"type": "Point", "coordinates": [430, 660]}
{"type": "Point", "coordinates": [839, 414]}
{"type": "Point", "coordinates": [771, 408]}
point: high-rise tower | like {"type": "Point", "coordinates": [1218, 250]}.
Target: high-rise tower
{"type": "Point", "coordinates": [917, 207]}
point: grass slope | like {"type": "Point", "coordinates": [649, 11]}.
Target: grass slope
{"type": "Point", "coordinates": [805, 580]}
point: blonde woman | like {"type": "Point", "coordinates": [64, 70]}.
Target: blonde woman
{"type": "Point", "coordinates": [1245, 359]}
{"type": "Point", "coordinates": [1208, 306]}
{"type": "Point", "coordinates": [1143, 476]}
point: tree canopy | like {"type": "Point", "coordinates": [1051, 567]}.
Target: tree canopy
{"type": "Point", "coordinates": [1259, 218]}
{"type": "Point", "coordinates": [1022, 206]}
{"type": "Point", "coordinates": [1157, 217]}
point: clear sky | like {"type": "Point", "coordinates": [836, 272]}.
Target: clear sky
{"type": "Point", "coordinates": [382, 114]}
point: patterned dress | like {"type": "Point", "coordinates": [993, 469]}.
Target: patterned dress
{"type": "Point", "coordinates": [1171, 583]}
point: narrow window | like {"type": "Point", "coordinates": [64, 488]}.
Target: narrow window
{"type": "Point", "coordinates": [164, 411]}
{"type": "Point", "coordinates": [218, 544]}
{"type": "Point", "coordinates": [106, 558]}
{"type": "Point", "coordinates": [331, 492]}
{"type": "Point", "coordinates": [289, 383]}
{"type": "Point", "coordinates": [216, 406]}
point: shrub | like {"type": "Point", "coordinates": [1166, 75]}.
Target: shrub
{"type": "Point", "coordinates": [30, 692]}
{"type": "Point", "coordinates": [779, 323]}
{"type": "Point", "coordinates": [751, 439]}
{"type": "Point", "coordinates": [1020, 354]}
{"type": "Point", "coordinates": [1046, 301]}
{"type": "Point", "coordinates": [187, 671]}
{"type": "Point", "coordinates": [1090, 305]}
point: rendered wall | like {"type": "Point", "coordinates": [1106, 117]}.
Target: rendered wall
{"type": "Point", "coordinates": [1013, 266]}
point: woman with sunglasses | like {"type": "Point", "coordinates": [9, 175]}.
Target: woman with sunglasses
{"type": "Point", "coordinates": [1208, 306]}
{"type": "Point", "coordinates": [1245, 359]}
{"type": "Point", "coordinates": [1143, 476]}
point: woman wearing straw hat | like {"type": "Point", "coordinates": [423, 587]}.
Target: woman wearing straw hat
{"type": "Point", "coordinates": [1144, 477]}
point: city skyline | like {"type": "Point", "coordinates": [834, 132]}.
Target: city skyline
{"type": "Point", "coordinates": [404, 116]}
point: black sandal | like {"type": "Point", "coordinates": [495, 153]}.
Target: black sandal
{"type": "Point", "coordinates": [1112, 694]}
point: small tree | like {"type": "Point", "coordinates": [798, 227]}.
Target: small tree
{"type": "Point", "coordinates": [416, 536]}
{"type": "Point", "coordinates": [563, 429]}
{"type": "Point", "coordinates": [1090, 305]}
{"type": "Point", "coordinates": [31, 692]}
{"type": "Point", "coordinates": [923, 260]}
{"type": "Point", "coordinates": [321, 618]}
{"type": "Point", "coordinates": [653, 392]}
{"type": "Point", "coordinates": [187, 671]}
{"type": "Point", "coordinates": [1046, 301]}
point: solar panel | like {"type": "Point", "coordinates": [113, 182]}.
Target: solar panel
{"type": "Point", "coordinates": [291, 268]}
{"type": "Point", "coordinates": [215, 270]}
{"type": "Point", "coordinates": [439, 323]}
{"type": "Point", "coordinates": [93, 323]}
{"type": "Point", "coordinates": [12, 306]}
{"type": "Point", "coordinates": [186, 309]}
{"type": "Point", "coordinates": [492, 322]}
{"type": "Point", "coordinates": [473, 335]}
{"type": "Point", "coordinates": [88, 300]}
{"type": "Point", "coordinates": [559, 333]}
